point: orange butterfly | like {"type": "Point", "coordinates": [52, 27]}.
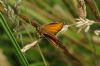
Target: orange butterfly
{"type": "Point", "coordinates": [50, 30]}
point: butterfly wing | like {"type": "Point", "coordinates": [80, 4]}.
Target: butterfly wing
{"type": "Point", "coordinates": [55, 41]}
{"type": "Point", "coordinates": [52, 28]}
{"type": "Point", "coordinates": [52, 38]}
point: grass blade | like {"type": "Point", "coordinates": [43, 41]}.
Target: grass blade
{"type": "Point", "coordinates": [19, 54]}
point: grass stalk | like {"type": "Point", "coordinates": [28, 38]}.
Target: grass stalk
{"type": "Point", "coordinates": [23, 61]}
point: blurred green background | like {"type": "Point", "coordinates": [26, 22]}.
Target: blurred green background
{"type": "Point", "coordinates": [84, 46]}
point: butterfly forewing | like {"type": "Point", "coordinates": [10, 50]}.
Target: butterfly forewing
{"type": "Point", "coordinates": [52, 28]}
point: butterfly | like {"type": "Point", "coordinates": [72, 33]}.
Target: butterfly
{"type": "Point", "coordinates": [49, 31]}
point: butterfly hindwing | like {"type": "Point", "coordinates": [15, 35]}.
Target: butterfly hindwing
{"type": "Point", "coordinates": [52, 38]}
{"type": "Point", "coordinates": [50, 30]}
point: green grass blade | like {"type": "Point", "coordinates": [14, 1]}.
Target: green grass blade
{"type": "Point", "coordinates": [19, 54]}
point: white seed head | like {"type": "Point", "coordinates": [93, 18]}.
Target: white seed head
{"type": "Point", "coordinates": [84, 23]}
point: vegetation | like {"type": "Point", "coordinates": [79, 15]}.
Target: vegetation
{"type": "Point", "coordinates": [24, 43]}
